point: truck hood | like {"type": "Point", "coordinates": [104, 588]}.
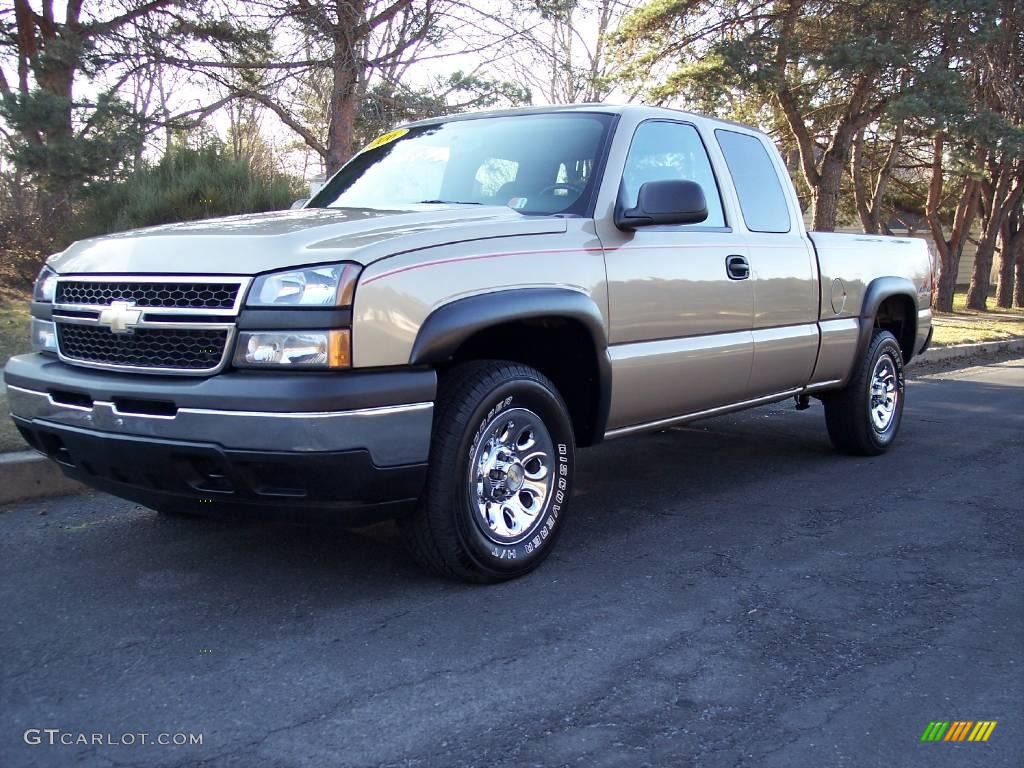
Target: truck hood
{"type": "Point", "coordinates": [254, 243]}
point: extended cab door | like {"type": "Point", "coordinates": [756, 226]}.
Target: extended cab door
{"type": "Point", "coordinates": [680, 303]}
{"type": "Point", "coordinates": [784, 269]}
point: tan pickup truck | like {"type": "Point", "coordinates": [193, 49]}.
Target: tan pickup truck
{"type": "Point", "coordinates": [462, 306]}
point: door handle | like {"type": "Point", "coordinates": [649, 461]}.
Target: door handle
{"type": "Point", "coordinates": [737, 267]}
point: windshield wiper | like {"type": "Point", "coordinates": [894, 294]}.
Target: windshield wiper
{"type": "Point", "coordinates": [448, 202]}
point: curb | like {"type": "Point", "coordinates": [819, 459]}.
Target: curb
{"type": "Point", "coordinates": [28, 475]}
{"type": "Point", "coordinates": [957, 351]}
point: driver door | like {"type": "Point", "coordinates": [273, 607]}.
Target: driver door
{"type": "Point", "coordinates": [681, 319]}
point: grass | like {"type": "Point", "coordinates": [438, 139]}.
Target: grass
{"type": "Point", "coordinates": [968, 326]}
{"type": "Point", "coordinates": [14, 340]}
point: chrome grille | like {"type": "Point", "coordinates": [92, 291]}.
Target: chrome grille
{"type": "Point", "coordinates": [162, 295]}
{"type": "Point", "coordinates": [182, 349]}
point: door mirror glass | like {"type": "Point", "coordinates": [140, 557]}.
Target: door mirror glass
{"type": "Point", "coordinates": [670, 201]}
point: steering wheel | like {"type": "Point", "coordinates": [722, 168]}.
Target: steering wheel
{"type": "Point", "coordinates": [561, 185]}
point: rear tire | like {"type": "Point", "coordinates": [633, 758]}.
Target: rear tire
{"type": "Point", "coordinates": [864, 417]}
{"type": "Point", "coordinates": [500, 477]}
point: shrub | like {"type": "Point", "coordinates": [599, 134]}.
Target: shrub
{"type": "Point", "coordinates": [187, 183]}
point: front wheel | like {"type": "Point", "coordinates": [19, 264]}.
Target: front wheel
{"type": "Point", "coordinates": [500, 476]}
{"type": "Point", "coordinates": [864, 416]}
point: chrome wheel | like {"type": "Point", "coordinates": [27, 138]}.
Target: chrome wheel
{"type": "Point", "coordinates": [884, 394]}
{"type": "Point", "coordinates": [510, 475]}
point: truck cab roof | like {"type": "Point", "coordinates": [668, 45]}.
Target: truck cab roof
{"type": "Point", "coordinates": [637, 111]}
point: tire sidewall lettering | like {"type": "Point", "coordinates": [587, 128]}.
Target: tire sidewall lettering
{"type": "Point", "coordinates": [502, 405]}
{"type": "Point", "coordinates": [532, 395]}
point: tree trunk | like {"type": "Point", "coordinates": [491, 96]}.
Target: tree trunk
{"type": "Point", "coordinates": [860, 186]}
{"type": "Point", "coordinates": [981, 276]}
{"type": "Point", "coordinates": [999, 202]}
{"type": "Point", "coordinates": [988, 202]}
{"type": "Point", "coordinates": [950, 249]}
{"type": "Point", "coordinates": [344, 89]}
{"type": "Point", "coordinates": [825, 208]}
{"type": "Point", "coordinates": [870, 204]}
{"type": "Point", "coordinates": [54, 58]}
{"type": "Point", "coordinates": [825, 198]}
{"type": "Point", "coordinates": [945, 276]}
{"type": "Point", "coordinates": [1011, 253]}
{"type": "Point", "coordinates": [1018, 281]}
{"type": "Point", "coordinates": [59, 182]}
{"type": "Point", "coordinates": [1004, 280]}
{"type": "Point", "coordinates": [341, 131]}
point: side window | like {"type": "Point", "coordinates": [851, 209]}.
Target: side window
{"type": "Point", "coordinates": [663, 150]}
{"type": "Point", "coordinates": [762, 201]}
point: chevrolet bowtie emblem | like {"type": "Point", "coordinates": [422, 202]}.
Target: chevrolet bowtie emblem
{"type": "Point", "coordinates": [121, 317]}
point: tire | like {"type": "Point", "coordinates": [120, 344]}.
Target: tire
{"type": "Point", "coordinates": [496, 495]}
{"type": "Point", "coordinates": [858, 422]}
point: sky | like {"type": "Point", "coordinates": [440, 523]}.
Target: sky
{"type": "Point", "coordinates": [188, 92]}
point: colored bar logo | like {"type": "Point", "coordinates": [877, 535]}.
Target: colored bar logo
{"type": "Point", "coordinates": [959, 730]}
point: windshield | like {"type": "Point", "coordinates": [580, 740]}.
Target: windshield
{"type": "Point", "coordinates": [535, 164]}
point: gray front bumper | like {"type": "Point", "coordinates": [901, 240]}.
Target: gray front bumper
{"type": "Point", "coordinates": [386, 413]}
{"type": "Point", "coordinates": [351, 445]}
{"type": "Point", "coordinates": [393, 435]}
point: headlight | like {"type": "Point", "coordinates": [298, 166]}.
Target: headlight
{"type": "Point", "coordinates": [293, 349]}
{"type": "Point", "coordinates": [46, 286]}
{"type": "Point", "coordinates": [327, 286]}
{"type": "Point", "coordinates": [44, 335]}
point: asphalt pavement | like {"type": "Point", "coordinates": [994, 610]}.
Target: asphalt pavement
{"type": "Point", "coordinates": [730, 593]}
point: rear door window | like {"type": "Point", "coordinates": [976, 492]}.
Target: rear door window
{"type": "Point", "coordinates": [762, 201]}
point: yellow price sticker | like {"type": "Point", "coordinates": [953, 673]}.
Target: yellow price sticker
{"type": "Point", "coordinates": [385, 138]}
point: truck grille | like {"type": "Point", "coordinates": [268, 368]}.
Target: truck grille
{"type": "Point", "coordinates": [176, 295]}
{"type": "Point", "coordinates": [179, 349]}
{"type": "Point", "coordinates": [163, 325]}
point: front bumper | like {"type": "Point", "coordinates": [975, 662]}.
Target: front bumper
{"type": "Point", "coordinates": [320, 441]}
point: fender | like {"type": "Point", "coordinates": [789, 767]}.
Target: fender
{"type": "Point", "coordinates": [878, 290]}
{"type": "Point", "coordinates": [450, 325]}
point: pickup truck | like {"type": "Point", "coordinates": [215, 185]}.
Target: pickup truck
{"type": "Point", "coordinates": [467, 302]}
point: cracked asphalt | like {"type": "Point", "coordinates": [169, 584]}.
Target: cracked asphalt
{"type": "Point", "coordinates": [732, 593]}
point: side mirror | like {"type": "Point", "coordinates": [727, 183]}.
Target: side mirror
{"type": "Point", "coordinates": [300, 203]}
{"type": "Point", "coordinates": [672, 201]}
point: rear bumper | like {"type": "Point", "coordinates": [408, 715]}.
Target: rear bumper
{"type": "Point", "coordinates": [207, 443]}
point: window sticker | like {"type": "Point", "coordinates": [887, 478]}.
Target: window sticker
{"type": "Point", "coordinates": [385, 138]}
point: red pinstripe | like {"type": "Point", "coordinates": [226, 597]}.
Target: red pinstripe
{"type": "Point", "coordinates": [456, 259]}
